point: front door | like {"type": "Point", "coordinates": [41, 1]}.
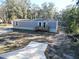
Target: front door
{"type": "Point", "coordinates": [44, 24]}
{"type": "Point", "coordinates": [39, 24]}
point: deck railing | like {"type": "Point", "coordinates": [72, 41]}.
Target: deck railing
{"type": "Point", "coordinates": [38, 28]}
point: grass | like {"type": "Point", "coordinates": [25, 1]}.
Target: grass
{"type": "Point", "coordinates": [75, 43]}
{"type": "Point", "coordinates": [3, 49]}
{"type": "Point", "coordinates": [17, 40]}
{"type": "Point", "coordinates": [77, 30]}
{"type": "Point", "coordinates": [5, 25]}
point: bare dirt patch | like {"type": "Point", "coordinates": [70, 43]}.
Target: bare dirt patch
{"type": "Point", "coordinates": [16, 40]}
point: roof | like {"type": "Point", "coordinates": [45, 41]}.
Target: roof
{"type": "Point", "coordinates": [21, 20]}
{"type": "Point", "coordinates": [38, 19]}
{"type": "Point", "coordinates": [43, 19]}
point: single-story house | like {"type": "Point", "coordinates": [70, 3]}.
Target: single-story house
{"type": "Point", "coordinates": [37, 24]}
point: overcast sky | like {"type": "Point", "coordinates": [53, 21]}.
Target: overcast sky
{"type": "Point", "coordinates": [59, 4]}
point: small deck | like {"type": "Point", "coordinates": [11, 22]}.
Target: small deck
{"type": "Point", "coordinates": [45, 29]}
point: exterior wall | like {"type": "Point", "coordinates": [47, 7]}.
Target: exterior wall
{"type": "Point", "coordinates": [53, 26]}
{"type": "Point", "coordinates": [30, 25]}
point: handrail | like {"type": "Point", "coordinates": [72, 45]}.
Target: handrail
{"type": "Point", "coordinates": [46, 28]}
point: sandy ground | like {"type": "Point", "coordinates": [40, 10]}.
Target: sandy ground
{"type": "Point", "coordinates": [59, 46]}
{"type": "Point", "coordinates": [16, 40]}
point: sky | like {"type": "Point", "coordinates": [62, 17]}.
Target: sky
{"type": "Point", "coordinates": [59, 4]}
{"type": "Point", "coordinates": [1, 1]}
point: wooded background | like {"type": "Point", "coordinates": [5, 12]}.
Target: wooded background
{"type": "Point", "coordinates": [23, 9]}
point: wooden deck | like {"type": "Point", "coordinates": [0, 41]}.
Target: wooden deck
{"type": "Point", "coordinates": [45, 29]}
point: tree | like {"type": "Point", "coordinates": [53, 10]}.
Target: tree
{"type": "Point", "coordinates": [23, 9]}
{"type": "Point", "coordinates": [70, 16]}
{"type": "Point", "coordinates": [16, 9]}
{"type": "Point", "coordinates": [77, 2]}
{"type": "Point", "coordinates": [48, 10]}
{"type": "Point", "coordinates": [35, 11]}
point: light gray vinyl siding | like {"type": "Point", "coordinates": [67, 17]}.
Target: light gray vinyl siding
{"type": "Point", "coordinates": [52, 25]}
{"type": "Point", "coordinates": [30, 25]}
